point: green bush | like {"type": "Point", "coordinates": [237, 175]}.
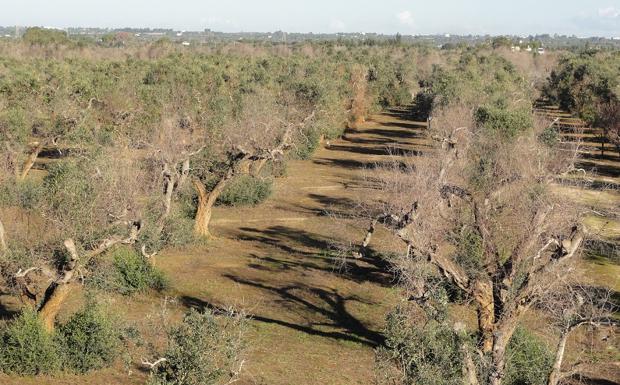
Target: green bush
{"type": "Point", "coordinates": [135, 274]}
{"type": "Point", "coordinates": [201, 350]}
{"type": "Point", "coordinates": [308, 146]}
{"type": "Point", "coordinates": [509, 122]}
{"type": "Point", "coordinates": [129, 273]}
{"type": "Point", "coordinates": [529, 360]}
{"type": "Point", "coordinates": [26, 348]}
{"type": "Point", "coordinates": [246, 190]}
{"type": "Point", "coordinates": [549, 136]}
{"type": "Point", "coordinates": [419, 353]}
{"type": "Point", "coordinates": [43, 36]}
{"type": "Point", "coordinates": [25, 194]}
{"type": "Point", "coordinates": [90, 340]}
{"type": "Point", "coordinates": [581, 83]}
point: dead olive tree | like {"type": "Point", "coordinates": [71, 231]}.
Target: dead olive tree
{"type": "Point", "coordinates": [174, 143]}
{"type": "Point", "coordinates": [90, 205]}
{"type": "Point", "coordinates": [264, 130]}
{"type": "Point", "coordinates": [480, 208]}
{"type": "Point", "coordinates": [573, 307]}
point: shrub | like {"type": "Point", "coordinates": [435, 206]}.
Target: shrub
{"type": "Point", "coordinates": [549, 136]}
{"type": "Point", "coordinates": [201, 350]}
{"type": "Point", "coordinates": [43, 36]}
{"type": "Point", "coordinates": [580, 83]}
{"type": "Point", "coordinates": [529, 360]}
{"type": "Point", "coordinates": [308, 146]}
{"type": "Point", "coordinates": [246, 190]}
{"type": "Point", "coordinates": [419, 353]}
{"type": "Point", "coordinates": [128, 274]}
{"type": "Point", "coordinates": [25, 194]}
{"type": "Point", "coordinates": [135, 274]}
{"type": "Point", "coordinates": [505, 121]}
{"type": "Point", "coordinates": [27, 349]}
{"type": "Point", "coordinates": [178, 231]}
{"type": "Point", "coordinates": [90, 340]}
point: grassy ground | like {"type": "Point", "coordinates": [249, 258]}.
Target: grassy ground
{"type": "Point", "coordinates": [312, 321]}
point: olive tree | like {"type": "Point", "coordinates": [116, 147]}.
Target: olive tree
{"type": "Point", "coordinates": [266, 127]}
{"type": "Point", "coordinates": [89, 205]}
{"type": "Point", "coordinates": [480, 209]}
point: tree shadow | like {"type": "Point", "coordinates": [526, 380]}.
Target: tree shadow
{"type": "Point", "coordinates": [279, 237]}
{"type": "Point", "coordinates": [345, 163]}
{"type": "Point", "coordinates": [609, 156]}
{"type": "Point", "coordinates": [600, 169]}
{"type": "Point", "coordinates": [417, 126]}
{"type": "Point", "coordinates": [387, 133]}
{"type": "Point", "coordinates": [327, 303]}
{"type": "Point", "coordinates": [383, 150]}
{"type": "Point", "coordinates": [312, 252]}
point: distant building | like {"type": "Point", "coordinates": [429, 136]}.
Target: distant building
{"type": "Point", "coordinates": [185, 43]}
{"type": "Point", "coordinates": [528, 49]}
{"type": "Point", "coordinates": [541, 51]}
{"type": "Point", "coordinates": [515, 48]}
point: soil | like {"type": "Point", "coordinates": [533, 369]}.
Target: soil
{"type": "Point", "coordinates": [314, 320]}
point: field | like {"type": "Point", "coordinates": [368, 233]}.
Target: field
{"type": "Point", "coordinates": [395, 215]}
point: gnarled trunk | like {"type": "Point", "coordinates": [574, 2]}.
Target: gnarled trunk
{"type": "Point", "coordinates": [257, 166]}
{"type": "Point", "coordinates": [555, 375]}
{"type": "Point", "coordinates": [3, 246]}
{"type": "Point", "coordinates": [56, 295]}
{"type": "Point", "coordinates": [30, 160]}
{"type": "Point", "coordinates": [169, 185]}
{"type": "Point", "coordinates": [58, 291]}
{"type": "Point", "coordinates": [483, 295]}
{"type": "Point", "coordinates": [185, 169]}
{"type": "Point", "coordinates": [206, 200]}
{"type": "Point", "coordinates": [502, 337]}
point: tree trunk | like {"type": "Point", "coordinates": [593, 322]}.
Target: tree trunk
{"type": "Point", "coordinates": [3, 246]}
{"type": "Point", "coordinates": [555, 375]}
{"type": "Point", "coordinates": [30, 159]}
{"type": "Point", "coordinates": [367, 238]}
{"type": "Point", "coordinates": [58, 291]}
{"type": "Point", "coordinates": [55, 297]}
{"type": "Point", "coordinates": [257, 166]}
{"type": "Point", "coordinates": [206, 200]}
{"type": "Point", "coordinates": [185, 169]}
{"type": "Point", "coordinates": [244, 167]}
{"type": "Point", "coordinates": [469, 367]}
{"type": "Point", "coordinates": [483, 295]}
{"type": "Point", "coordinates": [502, 336]}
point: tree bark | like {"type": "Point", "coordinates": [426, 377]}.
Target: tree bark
{"type": "Point", "coordinates": [257, 166]}
{"type": "Point", "coordinates": [30, 160]}
{"type": "Point", "coordinates": [483, 295]}
{"type": "Point", "coordinates": [170, 181]}
{"type": "Point", "coordinates": [3, 246]}
{"type": "Point", "coordinates": [58, 291]}
{"type": "Point", "coordinates": [367, 238]}
{"type": "Point", "coordinates": [56, 296]}
{"type": "Point", "coordinates": [556, 375]}
{"type": "Point", "coordinates": [502, 337]}
{"type": "Point", "coordinates": [185, 169]}
{"type": "Point", "coordinates": [206, 200]}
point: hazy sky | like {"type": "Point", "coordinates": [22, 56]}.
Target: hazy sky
{"type": "Point", "coordinates": [523, 17]}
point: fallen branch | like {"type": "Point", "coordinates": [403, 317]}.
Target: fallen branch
{"type": "Point", "coordinates": [153, 365]}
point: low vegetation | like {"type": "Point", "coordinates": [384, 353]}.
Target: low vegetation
{"type": "Point", "coordinates": [116, 153]}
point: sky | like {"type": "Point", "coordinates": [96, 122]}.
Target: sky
{"type": "Point", "coordinates": [495, 17]}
